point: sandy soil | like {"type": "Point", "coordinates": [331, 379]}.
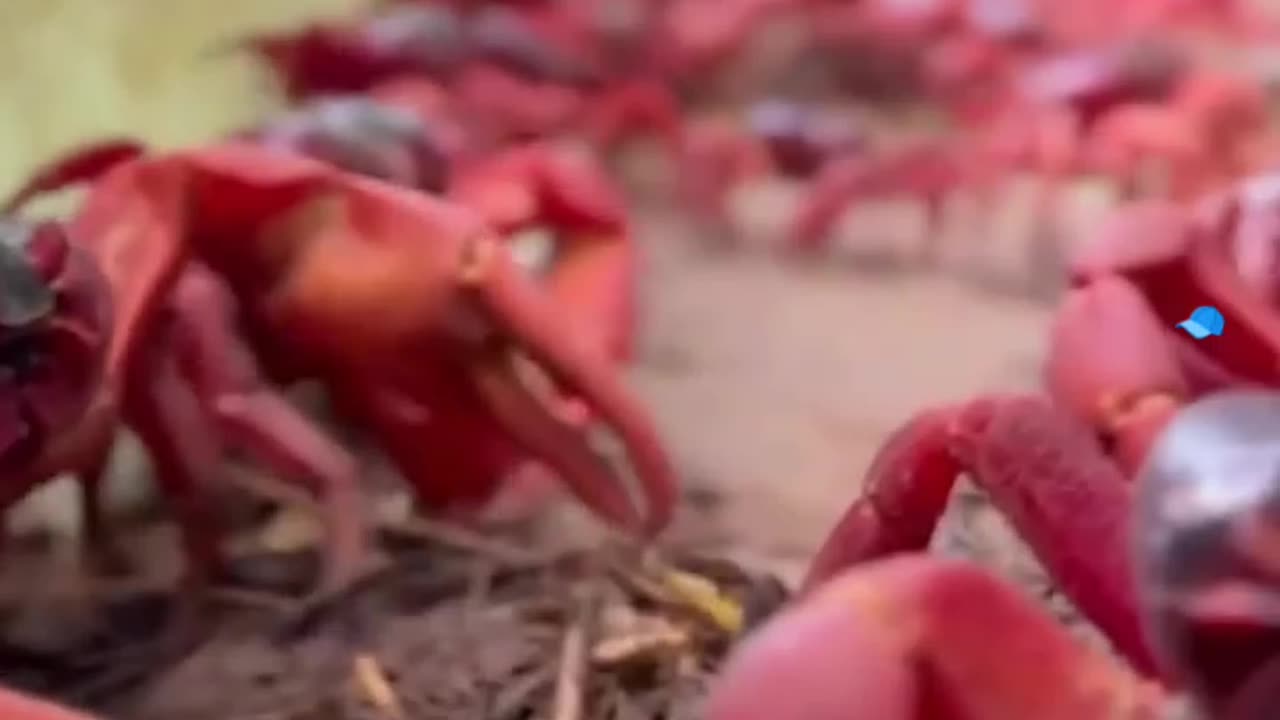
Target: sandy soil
{"type": "Point", "coordinates": [775, 383]}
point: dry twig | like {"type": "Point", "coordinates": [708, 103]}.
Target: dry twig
{"type": "Point", "coordinates": [373, 683]}
{"type": "Point", "coordinates": [570, 694]}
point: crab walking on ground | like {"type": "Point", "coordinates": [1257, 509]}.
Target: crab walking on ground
{"type": "Point", "coordinates": [914, 636]}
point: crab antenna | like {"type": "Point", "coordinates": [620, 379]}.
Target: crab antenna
{"type": "Point", "coordinates": [24, 296]}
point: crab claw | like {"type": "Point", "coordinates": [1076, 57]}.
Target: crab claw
{"type": "Point", "coordinates": [1111, 364]}
{"type": "Point", "coordinates": [593, 272]}
{"type": "Point", "coordinates": [581, 372]}
{"type": "Point", "coordinates": [911, 637]}
{"type": "Point", "coordinates": [1044, 472]}
{"type": "Point", "coordinates": [1207, 544]}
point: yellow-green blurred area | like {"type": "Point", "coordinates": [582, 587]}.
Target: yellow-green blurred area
{"type": "Point", "coordinates": [161, 70]}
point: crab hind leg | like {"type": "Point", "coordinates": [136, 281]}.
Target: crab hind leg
{"type": "Point", "coordinates": [531, 322]}
{"type": "Point", "coordinates": [1042, 470]}
{"type": "Point", "coordinates": [594, 278]}
{"type": "Point", "coordinates": [1047, 474]}
{"type": "Point", "coordinates": [254, 416]}
{"type": "Point", "coordinates": [839, 185]}
{"type": "Point", "coordinates": [905, 495]}
{"type": "Point", "coordinates": [911, 637]}
{"type": "Point", "coordinates": [162, 409]}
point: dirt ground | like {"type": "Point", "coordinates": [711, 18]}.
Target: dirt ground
{"type": "Point", "coordinates": [773, 382]}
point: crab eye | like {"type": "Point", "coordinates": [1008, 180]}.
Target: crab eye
{"type": "Point", "coordinates": [28, 257]}
{"type": "Point", "coordinates": [1207, 542]}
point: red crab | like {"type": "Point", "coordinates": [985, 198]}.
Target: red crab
{"type": "Point", "coordinates": [1116, 111]}
{"type": "Point", "coordinates": [406, 132]}
{"type": "Point", "coordinates": [939, 49]}
{"type": "Point", "coordinates": [1119, 374]}
{"type": "Point", "coordinates": [520, 73]}
{"type": "Point", "coordinates": [697, 39]}
{"type": "Point", "coordinates": [1149, 267]}
{"type": "Point", "coordinates": [832, 153]}
{"type": "Point", "coordinates": [175, 372]}
{"type": "Point", "coordinates": [594, 264]}
{"type": "Point", "coordinates": [407, 307]}
{"type": "Point", "coordinates": [914, 636]}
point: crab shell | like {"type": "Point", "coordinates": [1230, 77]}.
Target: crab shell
{"type": "Point", "coordinates": [363, 136]}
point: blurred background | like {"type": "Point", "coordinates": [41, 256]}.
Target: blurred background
{"type": "Point", "coordinates": [965, 158]}
{"type": "Point", "coordinates": [773, 382]}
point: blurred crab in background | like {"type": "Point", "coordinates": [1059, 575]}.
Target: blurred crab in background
{"type": "Point", "coordinates": [521, 73]}
{"type": "Point", "coordinates": [911, 636]}
{"type": "Point", "coordinates": [1121, 110]}
{"type": "Point", "coordinates": [438, 367]}
{"type": "Point", "coordinates": [832, 153]}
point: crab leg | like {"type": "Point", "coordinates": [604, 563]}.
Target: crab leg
{"type": "Point", "coordinates": [454, 456]}
{"type": "Point", "coordinates": [250, 413]}
{"type": "Point", "coordinates": [594, 278]}
{"type": "Point", "coordinates": [913, 637]}
{"type": "Point", "coordinates": [926, 172]}
{"type": "Point", "coordinates": [639, 105]}
{"type": "Point", "coordinates": [19, 706]}
{"type": "Point", "coordinates": [1043, 471]}
{"type": "Point", "coordinates": [1111, 365]}
{"type": "Point", "coordinates": [168, 418]}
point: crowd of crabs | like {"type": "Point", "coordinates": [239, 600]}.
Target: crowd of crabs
{"type": "Point", "coordinates": [361, 239]}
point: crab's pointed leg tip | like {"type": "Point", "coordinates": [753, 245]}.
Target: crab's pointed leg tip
{"type": "Point", "coordinates": [817, 662]}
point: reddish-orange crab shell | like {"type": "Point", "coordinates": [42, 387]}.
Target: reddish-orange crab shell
{"type": "Point", "coordinates": [391, 293]}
